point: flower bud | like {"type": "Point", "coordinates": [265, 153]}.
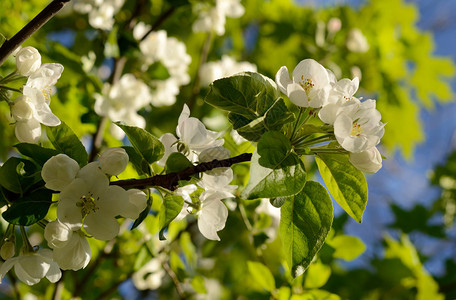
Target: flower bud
{"type": "Point", "coordinates": [59, 171]}
{"type": "Point", "coordinates": [22, 109]}
{"type": "Point", "coordinates": [7, 250]}
{"type": "Point", "coordinates": [334, 25]}
{"type": "Point", "coordinates": [113, 161]}
{"type": "Point", "coordinates": [28, 60]}
{"type": "Point", "coordinates": [368, 161]}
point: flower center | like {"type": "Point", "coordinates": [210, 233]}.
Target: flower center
{"type": "Point", "coordinates": [356, 130]}
{"type": "Point", "coordinates": [306, 84]}
{"type": "Point", "coordinates": [87, 204]}
{"type": "Point", "coordinates": [47, 93]}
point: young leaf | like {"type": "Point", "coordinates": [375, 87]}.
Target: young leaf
{"type": "Point", "coordinates": [30, 209]}
{"type": "Point", "coordinates": [347, 247]}
{"type": "Point", "coordinates": [39, 154]}
{"type": "Point", "coordinates": [275, 171]}
{"type": "Point", "coordinates": [145, 212]}
{"type": "Point", "coordinates": [262, 275]}
{"type": "Point", "coordinates": [150, 148]}
{"type": "Point", "coordinates": [172, 205]}
{"type": "Point", "coordinates": [346, 184]}
{"type": "Point", "coordinates": [177, 162]}
{"type": "Point", "coordinates": [305, 221]}
{"type": "Point", "coordinates": [9, 178]}
{"type": "Point", "coordinates": [141, 166]}
{"type": "Point", "coordinates": [65, 141]}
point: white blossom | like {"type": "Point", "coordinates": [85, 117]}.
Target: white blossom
{"type": "Point", "coordinates": [113, 161]}
{"type": "Point", "coordinates": [8, 249]}
{"type": "Point", "coordinates": [137, 202]}
{"type": "Point", "coordinates": [309, 86]}
{"type": "Point", "coordinates": [356, 41]}
{"type": "Point", "coordinates": [213, 18]}
{"type": "Point", "coordinates": [31, 267]}
{"type": "Point", "coordinates": [358, 127]}
{"type": "Point", "coordinates": [368, 161]}
{"type": "Point", "coordinates": [149, 276]}
{"type": "Point", "coordinates": [59, 171]}
{"type": "Point", "coordinates": [90, 201]}
{"type": "Point", "coordinates": [28, 60]}
{"type": "Point", "coordinates": [212, 215]}
{"type": "Point", "coordinates": [169, 142]}
{"type": "Point", "coordinates": [225, 67]}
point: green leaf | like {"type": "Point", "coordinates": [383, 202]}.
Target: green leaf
{"type": "Point", "coordinates": [198, 284]}
{"type": "Point", "coordinates": [262, 275]}
{"type": "Point", "coordinates": [275, 171]}
{"type": "Point", "coordinates": [9, 178]}
{"type": "Point", "coordinates": [30, 209]}
{"type": "Point", "coordinates": [317, 275]}
{"type": "Point", "coordinates": [141, 166]}
{"type": "Point", "coordinates": [253, 102]}
{"type": "Point", "coordinates": [18, 175]}
{"type": "Point", "coordinates": [150, 148]}
{"type": "Point", "coordinates": [347, 247]}
{"type": "Point", "coordinates": [172, 205]}
{"type": "Point", "coordinates": [144, 213]}
{"type": "Point", "coordinates": [346, 184]}
{"type": "Point", "coordinates": [305, 221]}
{"type": "Point", "coordinates": [177, 162]}
{"type": "Point", "coordinates": [248, 94]}
{"type": "Point", "coordinates": [65, 141]}
{"type": "Point", "coordinates": [39, 154]}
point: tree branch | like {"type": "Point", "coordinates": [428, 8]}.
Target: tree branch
{"type": "Point", "coordinates": [36, 23]}
{"type": "Point", "coordinates": [170, 181]}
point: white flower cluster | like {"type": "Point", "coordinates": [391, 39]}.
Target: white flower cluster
{"type": "Point", "coordinates": [201, 145]}
{"type": "Point", "coordinates": [172, 53]}
{"type": "Point", "coordinates": [213, 18]}
{"type": "Point", "coordinates": [31, 109]}
{"type": "Point", "coordinates": [122, 100]}
{"type": "Point", "coordinates": [225, 67]}
{"type": "Point", "coordinates": [101, 12]}
{"type": "Point", "coordinates": [357, 125]}
{"type": "Point", "coordinates": [87, 206]}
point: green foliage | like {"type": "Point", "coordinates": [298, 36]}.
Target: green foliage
{"type": "Point", "coordinates": [346, 184]}
{"type": "Point", "coordinates": [177, 162]}
{"type": "Point", "coordinates": [347, 247]}
{"type": "Point", "coordinates": [305, 221]}
{"type": "Point", "coordinates": [150, 148]}
{"type": "Point", "coordinates": [262, 275]}
{"type": "Point", "coordinates": [39, 154]}
{"type": "Point", "coordinates": [277, 173]}
{"type": "Point", "coordinates": [65, 141]}
{"type": "Point", "coordinates": [253, 102]}
{"type": "Point", "coordinates": [172, 205]}
{"type": "Point", "coordinates": [29, 209]}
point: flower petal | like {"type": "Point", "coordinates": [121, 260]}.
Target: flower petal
{"type": "Point", "coordinates": [282, 79]}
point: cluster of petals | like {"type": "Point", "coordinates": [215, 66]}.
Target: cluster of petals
{"type": "Point", "coordinates": [213, 18]}
{"type": "Point", "coordinates": [357, 124]}
{"type": "Point", "coordinates": [101, 12]}
{"type": "Point", "coordinates": [192, 138]}
{"type": "Point", "coordinates": [225, 67]}
{"type": "Point", "coordinates": [88, 204]}
{"type": "Point", "coordinates": [172, 53]}
{"type": "Point", "coordinates": [122, 100]}
{"type": "Point", "coordinates": [31, 109]}
{"type": "Point", "coordinates": [31, 267]}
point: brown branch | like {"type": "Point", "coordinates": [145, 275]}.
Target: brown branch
{"type": "Point", "coordinates": [36, 23]}
{"type": "Point", "coordinates": [170, 181]}
{"type": "Point", "coordinates": [159, 22]}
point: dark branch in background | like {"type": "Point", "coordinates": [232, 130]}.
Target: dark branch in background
{"type": "Point", "coordinates": [159, 22]}
{"type": "Point", "coordinates": [42, 18]}
{"type": "Point", "coordinates": [170, 181]}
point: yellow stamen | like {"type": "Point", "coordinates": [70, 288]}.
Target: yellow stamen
{"type": "Point", "coordinates": [356, 130]}
{"type": "Point", "coordinates": [306, 84]}
{"type": "Point", "coordinates": [87, 204]}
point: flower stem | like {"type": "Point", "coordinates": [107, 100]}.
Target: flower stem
{"type": "Point", "coordinates": [297, 122]}
{"type": "Point", "coordinates": [27, 246]}
{"type": "Point", "coordinates": [320, 139]}
{"type": "Point", "coordinates": [10, 89]}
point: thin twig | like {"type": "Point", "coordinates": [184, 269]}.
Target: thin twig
{"type": "Point", "coordinates": [203, 58]}
{"type": "Point", "coordinates": [159, 22]}
{"type": "Point", "coordinates": [176, 281]}
{"type": "Point", "coordinates": [170, 181]}
{"type": "Point", "coordinates": [36, 23]}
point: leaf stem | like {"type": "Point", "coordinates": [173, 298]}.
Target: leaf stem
{"type": "Point", "coordinates": [36, 23]}
{"type": "Point", "coordinates": [320, 139]}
